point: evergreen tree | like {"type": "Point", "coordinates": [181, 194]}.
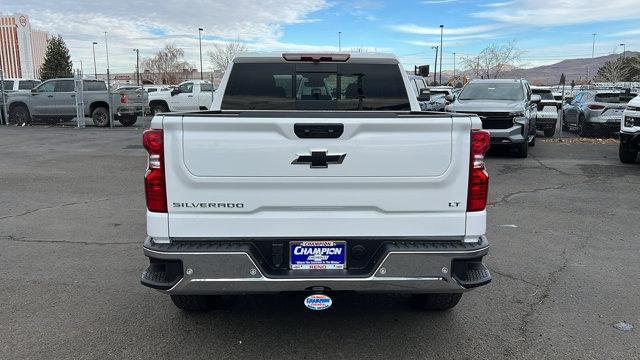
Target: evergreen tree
{"type": "Point", "coordinates": [57, 61]}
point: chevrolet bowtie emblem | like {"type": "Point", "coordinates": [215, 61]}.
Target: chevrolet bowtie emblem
{"type": "Point", "coordinates": [319, 159]}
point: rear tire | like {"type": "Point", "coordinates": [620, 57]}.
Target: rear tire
{"type": "Point", "coordinates": [19, 115]}
{"type": "Point", "coordinates": [128, 120]}
{"type": "Point", "coordinates": [195, 302]}
{"type": "Point", "coordinates": [158, 108]}
{"type": "Point", "coordinates": [100, 116]}
{"type": "Point", "coordinates": [522, 150]}
{"type": "Point", "coordinates": [549, 132]}
{"type": "Point", "coordinates": [437, 302]}
{"type": "Point", "coordinates": [626, 156]}
{"type": "Point", "coordinates": [584, 129]}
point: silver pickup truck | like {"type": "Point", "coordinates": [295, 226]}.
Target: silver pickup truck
{"type": "Point", "coordinates": [54, 100]}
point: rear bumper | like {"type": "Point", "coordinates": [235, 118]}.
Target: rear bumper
{"type": "Point", "coordinates": [414, 266]}
{"type": "Point", "coordinates": [545, 121]}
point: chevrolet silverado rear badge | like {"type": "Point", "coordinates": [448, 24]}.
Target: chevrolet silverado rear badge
{"type": "Point", "coordinates": [319, 159]}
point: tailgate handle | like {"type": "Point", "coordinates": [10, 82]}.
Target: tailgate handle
{"type": "Point", "coordinates": [318, 131]}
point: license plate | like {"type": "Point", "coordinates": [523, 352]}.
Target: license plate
{"type": "Point", "coordinates": [318, 255]}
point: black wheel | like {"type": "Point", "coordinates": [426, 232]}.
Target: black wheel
{"type": "Point", "coordinates": [158, 108]}
{"type": "Point", "coordinates": [549, 132]}
{"type": "Point", "coordinates": [436, 301]}
{"type": "Point", "coordinates": [128, 120]}
{"type": "Point", "coordinates": [19, 114]}
{"type": "Point", "coordinates": [100, 116]}
{"type": "Point", "coordinates": [522, 149]}
{"type": "Point", "coordinates": [195, 302]}
{"type": "Point", "coordinates": [584, 129]}
{"type": "Point", "coordinates": [626, 156]}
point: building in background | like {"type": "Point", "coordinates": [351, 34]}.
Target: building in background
{"type": "Point", "coordinates": [22, 49]}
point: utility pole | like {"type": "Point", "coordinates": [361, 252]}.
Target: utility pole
{"type": "Point", "coordinates": [593, 51]}
{"type": "Point", "coordinates": [624, 50]}
{"type": "Point", "coordinates": [441, 51]}
{"type": "Point", "coordinates": [435, 66]}
{"type": "Point", "coordinates": [339, 40]}
{"type": "Point", "coordinates": [200, 37]}
{"type": "Point", "coordinates": [95, 71]}
{"type": "Point", "coordinates": [137, 66]}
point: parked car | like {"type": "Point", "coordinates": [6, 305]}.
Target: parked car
{"type": "Point", "coordinates": [547, 114]}
{"type": "Point", "coordinates": [630, 132]}
{"type": "Point", "coordinates": [419, 86]}
{"type": "Point", "coordinates": [439, 96]}
{"type": "Point", "coordinates": [506, 107]}
{"type": "Point", "coordinates": [25, 85]}
{"type": "Point", "coordinates": [54, 100]}
{"type": "Point", "coordinates": [190, 95]}
{"type": "Point", "coordinates": [277, 190]}
{"type": "Point", "coordinates": [594, 110]}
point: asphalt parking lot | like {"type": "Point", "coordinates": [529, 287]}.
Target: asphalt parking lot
{"type": "Point", "coordinates": [563, 226]}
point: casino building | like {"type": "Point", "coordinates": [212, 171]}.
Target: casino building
{"type": "Point", "coordinates": [22, 48]}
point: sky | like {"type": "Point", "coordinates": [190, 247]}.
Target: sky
{"type": "Point", "coordinates": [546, 30]}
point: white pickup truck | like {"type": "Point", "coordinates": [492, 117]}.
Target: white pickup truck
{"type": "Point", "coordinates": [315, 173]}
{"type": "Point", "coordinates": [189, 95]}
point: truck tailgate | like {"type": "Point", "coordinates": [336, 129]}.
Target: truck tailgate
{"type": "Point", "coordinates": [233, 175]}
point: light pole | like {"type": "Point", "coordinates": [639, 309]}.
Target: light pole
{"type": "Point", "coordinates": [339, 40]}
{"type": "Point", "coordinates": [454, 67]}
{"type": "Point", "coordinates": [95, 71]}
{"type": "Point", "coordinates": [441, 51]}
{"type": "Point", "coordinates": [435, 66]}
{"type": "Point", "coordinates": [624, 50]}
{"type": "Point", "coordinates": [200, 30]}
{"type": "Point", "coordinates": [593, 51]}
{"type": "Point", "coordinates": [137, 66]}
{"type": "Point", "coordinates": [109, 98]}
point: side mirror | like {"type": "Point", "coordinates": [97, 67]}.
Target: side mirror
{"type": "Point", "coordinates": [34, 90]}
{"type": "Point", "coordinates": [424, 95]}
{"type": "Point", "coordinates": [536, 98]}
{"type": "Point", "coordinates": [175, 92]}
{"type": "Point", "coordinates": [450, 98]}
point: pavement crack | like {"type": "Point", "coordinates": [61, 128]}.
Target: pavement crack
{"type": "Point", "coordinates": [28, 212]}
{"type": "Point", "coordinates": [513, 277]}
{"type": "Point", "coordinates": [506, 198]}
{"type": "Point", "coordinates": [551, 168]}
{"type": "Point", "coordinates": [544, 293]}
{"type": "Point", "coordinates": [23, 239]}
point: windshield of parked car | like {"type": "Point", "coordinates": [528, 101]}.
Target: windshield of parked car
{"type": "Point", "coordinates": [261, 86]}
{"type": "Point", "coordinates": [492, 91]}
{"type": "Point", "coordinates": [544, 94]}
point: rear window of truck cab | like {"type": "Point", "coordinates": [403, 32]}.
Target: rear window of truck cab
{"type": "Point", "coordinates": [260, 86]}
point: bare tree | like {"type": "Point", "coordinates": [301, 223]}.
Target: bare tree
{"type": "Point", "coordinates": [493, 61]}
{"type": "Point", "coordinates": [613, 71]}
{"type": "Point", "coordinates": [166, 66]}
{"type": "Point", "coordinates": [222, 55]}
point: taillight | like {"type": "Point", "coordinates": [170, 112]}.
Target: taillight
{"type": "Point", "coordinates": [123, 98]}
{"type": "Point", "coordinates": [154, 181]}
{"type": "Point", "coordinates": [478, 177]}
{"type": "Point", "coordinates": [595, 107]}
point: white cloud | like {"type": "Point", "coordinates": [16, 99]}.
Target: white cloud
{"type": "Point", "coordinates": [422, 30]}
{"type": "Point", "coordinates": [565, 12]}
{"type": "Point", "coordinates": [134, 24]}
{"type": "Point", "coordinates": [632, 32]}
{"type": "Point", "coordinates": [498, 4]}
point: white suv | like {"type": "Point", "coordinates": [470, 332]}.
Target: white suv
{"type": "Point", "coordinates": [630, 132]}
